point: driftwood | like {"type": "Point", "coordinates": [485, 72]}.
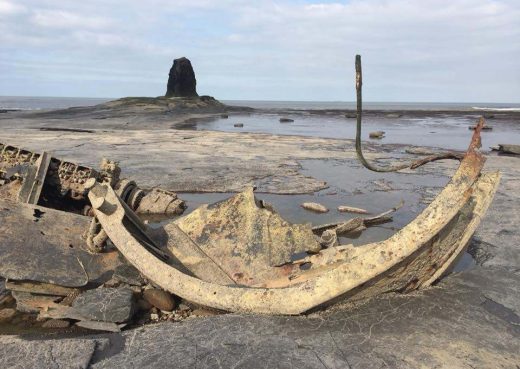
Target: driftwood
{"type": "Point", "coordinates": [395, 167]}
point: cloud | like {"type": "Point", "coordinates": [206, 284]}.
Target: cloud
{"type": "Point", "coordinates": [10, 8]}
{"type": "Point", "coordinates": [66, 20]}
{"type": "Point", "coordinates": [437, 50]}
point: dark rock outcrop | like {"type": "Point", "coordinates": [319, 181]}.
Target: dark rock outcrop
{"type": "Point", "coordinates": [182, 82]}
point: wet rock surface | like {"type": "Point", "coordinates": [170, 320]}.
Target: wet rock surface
{"type": "Point", "coordinates": [128, 274]}
{"type": "Point", "coordinates": [114, 305]}
{"type": "Point", "coordinates": [55, 354]}
{"type": "Point", "coordinates": [448, 325]}
{"type": "Point", "coordinates": [56, 324]}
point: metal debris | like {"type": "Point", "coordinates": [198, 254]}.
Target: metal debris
{"type": "Point", "coordinates": [41, 179]}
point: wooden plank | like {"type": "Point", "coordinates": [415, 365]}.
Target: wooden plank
{"type": "Point", "coordinates": [43, 164]}
{"type": "Point", "coordinates": [33, 181]}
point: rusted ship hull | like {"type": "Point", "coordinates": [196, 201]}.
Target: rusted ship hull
{"type": "Point", "coordinates": [414, 257]}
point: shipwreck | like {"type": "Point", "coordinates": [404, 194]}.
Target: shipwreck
{"type": "Point", "coordinates": [414, 257]}
{"type": "Point", "coordinates": [237, 255]}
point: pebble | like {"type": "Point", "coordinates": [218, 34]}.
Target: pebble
{"type": "Point", "coordinates": [376, 134]}
{"type": "Point", "coordinates": [286, 120]}
{"type": "Point", "coordinates": [313, 206]}
{"type": "Point", "coordinates": [162, 300]}
{"type": "Point", "coordinates": [143, 305]}
{"type": "Point", "coordinates": [350, 209]}
{"type": "Point", "coordinates": [184, 307]}
{"type": "Point", "coordinates": [393, 115]}
{"type": "Point", "coordinates": [7, 314]}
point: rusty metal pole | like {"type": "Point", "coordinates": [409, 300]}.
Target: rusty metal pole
{"type": "Point", "coordinates": [359, 151]}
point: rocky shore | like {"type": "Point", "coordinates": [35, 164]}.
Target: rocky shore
{"type": "Point", "coordinates": [469, 319]}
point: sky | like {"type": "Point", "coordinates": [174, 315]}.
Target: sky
{"type": "Point", "coordinates": [420, 50]}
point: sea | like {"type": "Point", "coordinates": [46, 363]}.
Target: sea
{"type": "Point", "coordinates": [447, 131]}
{"type": "Point", "coordinates": [46, 103]}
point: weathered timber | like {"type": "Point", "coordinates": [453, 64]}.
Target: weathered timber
{"type": "Point", "coordinates": [33, 184]}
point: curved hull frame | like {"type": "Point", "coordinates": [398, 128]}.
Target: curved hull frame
{"type": "Point", "coordinates": [414, 257]}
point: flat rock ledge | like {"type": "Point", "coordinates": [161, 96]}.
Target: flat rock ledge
{"type": "Point", "coordinates": [445, 326]}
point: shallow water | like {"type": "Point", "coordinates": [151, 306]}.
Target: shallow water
{"type": "Point", "coordinates": [450, 132]}
{"type": "Point", "coordinates": [374, 105]}
{"type": "Point", "coordinates": [351, 185]}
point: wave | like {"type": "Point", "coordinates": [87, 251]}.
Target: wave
{"type": "Point", "coordinates": [15, 108]}
{"type": "Point", "coordinates": [495, 109]}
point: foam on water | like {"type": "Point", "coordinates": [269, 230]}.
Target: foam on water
{"type": "Point", "coordinates": [494, 109]}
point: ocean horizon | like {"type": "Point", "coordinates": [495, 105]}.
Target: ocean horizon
{"type": "Point", "coordinates": [50, 103]}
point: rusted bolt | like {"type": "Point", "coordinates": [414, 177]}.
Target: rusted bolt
{"type": "Point", "coordinates": [100, 239]}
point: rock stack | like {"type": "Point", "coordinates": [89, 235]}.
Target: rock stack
{"type": "Point", "coordinates": [182, 82]}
